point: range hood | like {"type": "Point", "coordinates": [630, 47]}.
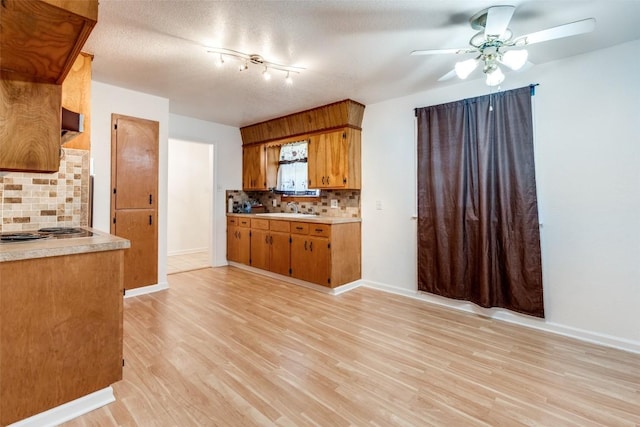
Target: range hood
{"type": "Point", "coordinates": [72, 125]}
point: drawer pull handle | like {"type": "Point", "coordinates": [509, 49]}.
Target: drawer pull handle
{"type": "Point", "coordinates": [319, 230]}
{"type": "Point", "coordinates": [298, 228]}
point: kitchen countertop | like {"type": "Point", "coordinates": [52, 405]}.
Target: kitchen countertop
{"type": "Point", "coordinates": [99, 242]}
{"type": "Point", "coordinates": [299, 218]}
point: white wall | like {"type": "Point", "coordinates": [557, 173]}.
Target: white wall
{"type": "Point", "coordinates": [105, 100]}
{"type": "Point", "coordinates": [588, 176]}
{"type": "Point", "coordinates": [189, 187]}
{"type": "Point", "coordinates": [227, 168]}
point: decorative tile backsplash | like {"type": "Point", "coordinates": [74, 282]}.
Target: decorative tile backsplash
{"type": "Point", "coordinates": [29, 201]}
{"type": "Point", "coordinates": [348, 202]}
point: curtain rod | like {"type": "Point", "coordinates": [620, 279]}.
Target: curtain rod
{"type": "Point", "coordinates": [532, 88]}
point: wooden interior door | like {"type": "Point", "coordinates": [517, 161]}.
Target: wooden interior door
{"type": "Point", "coordinates": [134, 203]}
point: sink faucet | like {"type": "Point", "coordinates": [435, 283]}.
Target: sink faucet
{"type": "Point", "coordinates": [293, 206]}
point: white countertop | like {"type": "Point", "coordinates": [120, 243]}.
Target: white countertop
{"type": "Point", "coordinates": [299, 218]}
{"type": "Point", "coordinates": [99, 242]}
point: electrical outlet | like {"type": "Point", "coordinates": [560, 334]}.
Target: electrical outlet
{"type": "Point", "coordinates": [334, 204]}
{"type": "Point", "coordinates": [379, 205]}
{"type": "Point", "coordinates": [274, 202]}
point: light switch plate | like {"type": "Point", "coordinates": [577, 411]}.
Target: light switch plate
{"type": "Point", "coordinates": [379, 205]}
{"type": "Point", "coordinates": [334, 204]}
{"type": "Point", "coordinates": [274, 202]}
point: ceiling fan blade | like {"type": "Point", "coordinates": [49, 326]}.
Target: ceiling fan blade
{"type": "Point", "coordinates": [498, 18]}
{"type": "Point", "coordinates": [451, 74]}
{"type": "Point", "coordinates": [566, 30]}
{"type": "Point", "coordinates": [439, 51]}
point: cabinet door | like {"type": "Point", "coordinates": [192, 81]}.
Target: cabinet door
{"type": "Point", "coordinates": [316, 161]}
{"type": "Point", "coordinates": [244, 245]}
{"type": "Point", "coordinates": [300, 257]}
{"type": "Point", "coordinates": [30, 131]}
{"type": "Point", "coordinates": [238, 244]}
{"type": "Point", "coordinates": [260, 249]}
{"type": "Point", "coordinates": [254, 168]}
{"type": "Point", "coordinates": [135, 153]}
{"type": "Point", "coordinates": [319, 257]}
{"type": "Point", "coordinates": [280, 257]}
{"type": "Point", "coordinates": [232, 243]}
{"type": "Point", "coordinates": [141, 260]}
{"type": "Point", "coordinates": [327, 160]}
{"type": "Point", "coordinates": [336, 148]}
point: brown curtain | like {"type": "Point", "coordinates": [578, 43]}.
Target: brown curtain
{"type": "Point", "coordinates": [478, 233]}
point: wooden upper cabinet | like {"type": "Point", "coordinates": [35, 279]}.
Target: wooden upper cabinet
{"type": "Point", "coordinates": [39, 42]}
{"type": "Point", "coordinates": [76, 96]}
{"type": "Point", "coordinates": [334, 160]}
{"type": "Point", "coordinates": [135, 162]}
{"type": "Point", "coordinates": [334, 134]}
{"type": "Point", "coordinates": [41, 39]}
{"type": "Point", "coordinates": [30, 131]}
{"type": "Point", "coordinates": [254, 174]}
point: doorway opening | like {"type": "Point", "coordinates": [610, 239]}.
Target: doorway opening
{"type": "Point", "coordinates": [189, 205]}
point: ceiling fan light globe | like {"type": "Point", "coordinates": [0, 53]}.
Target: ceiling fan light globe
{"type": "Point", "coordinates": [515, 59]}
{"type": "Point", "coordinates": [464, 68]}
{"type": "Point", "coordinates": [495, 77]}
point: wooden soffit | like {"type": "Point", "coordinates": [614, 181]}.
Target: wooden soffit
{"type": "Point", "coordinates": [346, 113]}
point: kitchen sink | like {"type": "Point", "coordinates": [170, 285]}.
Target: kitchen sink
{"type": "Point", "coordinates": [287, 215]}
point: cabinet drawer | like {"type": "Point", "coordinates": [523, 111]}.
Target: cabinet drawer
{"type": "Point", "coordinates": [261, 224]}
{"type": "Point", "coordinates": [300, 228]}
{"type": "Point", "coordinates": [232, 220]}
{"type": "Point", "coordinates": [279, 226]}
{"type": "Point", "coordinates": [322, 230]}
{"type": "Point", "coordinates": [244, 222]}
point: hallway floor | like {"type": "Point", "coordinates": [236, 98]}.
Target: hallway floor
{"type": "Point", "coordinates": [187, 262]}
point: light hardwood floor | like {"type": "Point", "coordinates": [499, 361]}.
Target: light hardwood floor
{"type": "Point", "coordinates": [224, 347]}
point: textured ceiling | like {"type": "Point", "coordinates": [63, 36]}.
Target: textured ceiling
{"type": "Point", "coordinates": [350, 49]}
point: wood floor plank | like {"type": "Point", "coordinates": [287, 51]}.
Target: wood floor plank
{"type": "Point", "coordinates": [225, 347]}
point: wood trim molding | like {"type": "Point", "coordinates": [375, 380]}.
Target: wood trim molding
{"type": "Point", "coordinates": [346, 113]}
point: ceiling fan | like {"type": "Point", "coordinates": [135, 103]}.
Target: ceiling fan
{"type": "Point", "coordinates": [494, 44]}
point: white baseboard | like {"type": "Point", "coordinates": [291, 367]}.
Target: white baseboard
{"type": "Point", "coordinates": [187, 251]}
{"type": "Point", "coordinates": [70, 410]}
{"type": "Point", "coordinates": [331, 291]}
{"type": "Point", "coordinates": [146, 290]}
{"type": "Point", "coordinates": [512, 317]}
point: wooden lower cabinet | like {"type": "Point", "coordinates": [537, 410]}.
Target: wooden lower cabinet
{"type": "Point", "coordinates": [310, 257]}
{"type": "Point", "coordinates": [270, 245]}
{"type": "Point", "coordinates": [238, 240]}
{"type": "Point", "coordinates": [279, 255]}
{"type": "Point", "coordinates": [324, 254]}
{"type": "Point", "coordinates": [60, 330]}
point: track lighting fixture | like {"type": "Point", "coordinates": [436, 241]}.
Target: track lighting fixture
{"type": "Point", "coordinates": [255, 59]}
{"type": "Point", "coordinates": [265, 74]}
